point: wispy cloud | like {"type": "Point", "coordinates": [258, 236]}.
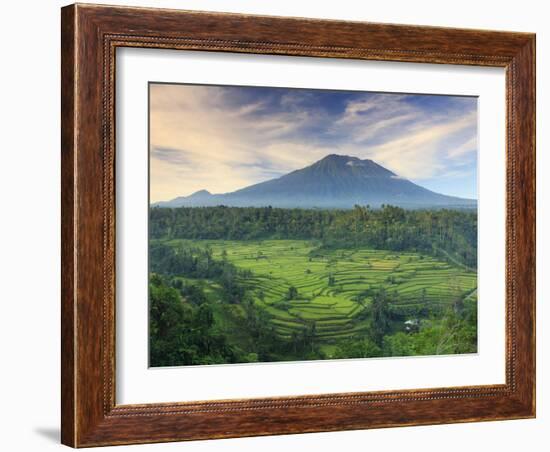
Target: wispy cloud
{"type": "Point", "coordinates": [419, 153]}
{"type": "Point", "coordinates": [170, 155]}
{"type": "Point", "coordinates": [224, 138]}
{"type": "Point", "coordinates": [468, 147]}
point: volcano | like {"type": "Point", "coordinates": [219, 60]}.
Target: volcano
{"type": "Point", "coordinates": [336, 181]}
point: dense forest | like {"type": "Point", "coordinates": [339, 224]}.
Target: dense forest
{"type": "Point", "coordinates": [448, 234]}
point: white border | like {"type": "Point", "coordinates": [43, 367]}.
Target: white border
{"type": "Point", "coordinates": [135, 383]}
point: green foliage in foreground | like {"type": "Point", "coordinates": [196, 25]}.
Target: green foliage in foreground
{"type": "Point", "coordinates": [182, 334]}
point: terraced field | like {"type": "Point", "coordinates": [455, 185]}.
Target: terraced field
{"type": "Point", "coordinates": [333, 286]}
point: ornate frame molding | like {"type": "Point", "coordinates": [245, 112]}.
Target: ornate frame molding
{"type": "Point", "coordinates": [90, 37]}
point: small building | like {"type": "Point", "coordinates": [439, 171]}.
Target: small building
{"type": "Point", "coordinates": [412, 325]}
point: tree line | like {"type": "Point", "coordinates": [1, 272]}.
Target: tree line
{"type": "Point", "coordinates": [447, 233]}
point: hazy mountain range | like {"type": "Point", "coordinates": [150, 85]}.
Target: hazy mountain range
{"type": "Point", "coordinates": [336, 181]}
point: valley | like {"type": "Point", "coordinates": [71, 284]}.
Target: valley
{"type": "Point", "coordinates": [333, 288]}
{"type": "Point", "coordinates": [340, 259]}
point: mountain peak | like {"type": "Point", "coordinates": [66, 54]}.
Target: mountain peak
{"type": "Point", "coordinates": [335, 181]}
{"type": "Point", "coordinates": [338, 158]}
{"type": "Point", "coordinates": [200, 193]}
{"type": "Point", "coordinates": [348, 165]}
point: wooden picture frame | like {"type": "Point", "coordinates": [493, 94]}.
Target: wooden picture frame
{"type": "Point", "coordinates": [90, 36]}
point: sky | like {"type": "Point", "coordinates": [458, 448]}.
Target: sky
{"type": "Point", "coordinates": [222, 138]}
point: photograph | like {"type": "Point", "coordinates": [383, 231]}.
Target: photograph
{"type": "Point", "coordinates": [291, 224]}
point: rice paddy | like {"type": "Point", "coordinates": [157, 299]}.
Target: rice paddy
{"type": "Point", "coordinates": [333, 287]}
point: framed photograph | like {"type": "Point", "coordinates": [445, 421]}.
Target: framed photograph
{"type": "Point", "coordinates": [281, 225]}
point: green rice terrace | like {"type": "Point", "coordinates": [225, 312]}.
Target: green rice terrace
{"type": "Point", "coordinates": [329, 286]}
{"type": "Point", "coordinates": [323, 301]}
{"type": "Point", "coordinates": [258, 284]}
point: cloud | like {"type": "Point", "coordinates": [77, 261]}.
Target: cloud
{"type": "Point", "coordinates": [224, 138]}
{"type": "Point", "coordinates": [200, 141]}
{"type": "Point", "coordinates": [468, 147]}
{"type": "Point", "coordinates": [418, 153]}
{"type": "Point", "coordinates": [386, 105]}
{"type": "Point", "coordinates": [170, 155]}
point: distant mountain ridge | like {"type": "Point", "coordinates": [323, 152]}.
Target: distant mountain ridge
{"type": "Point", "coordinates": [336, 181]}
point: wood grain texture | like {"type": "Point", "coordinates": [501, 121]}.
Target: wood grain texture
{"type": "Point", "coordinates": [90, 36]}
{"type": "Point", "coordinates": [68, 146]}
